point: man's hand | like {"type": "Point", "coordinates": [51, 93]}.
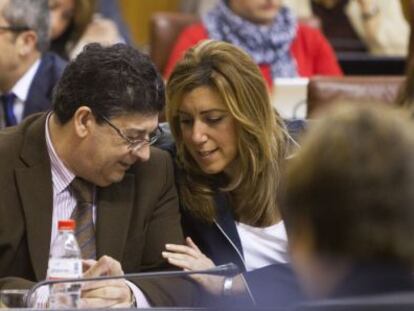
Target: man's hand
{"type": "Point", "coordinates": [108, 293]}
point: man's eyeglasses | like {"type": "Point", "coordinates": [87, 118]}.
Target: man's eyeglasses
{"type": "Point", "coordinates": [134, 144]}
{"type": "Point", "coordinates": [14, 28]}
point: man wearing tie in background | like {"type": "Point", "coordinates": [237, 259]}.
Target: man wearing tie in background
{"type": "Point", "coordinates": [96, 141]}
{"type": "Point", "coordinates": [27, 72]}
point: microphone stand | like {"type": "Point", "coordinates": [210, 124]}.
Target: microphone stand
{"type": "Point", "coordinates": [227, 270]}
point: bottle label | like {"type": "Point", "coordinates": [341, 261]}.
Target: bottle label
{"type": "Point", "coordinates": [64, 268]}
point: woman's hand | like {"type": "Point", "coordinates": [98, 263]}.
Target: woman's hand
{"type": "Point", "coordinates": [190, 258]}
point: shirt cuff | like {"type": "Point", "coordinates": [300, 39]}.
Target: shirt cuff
{"type": "Point", "coordinates": [140, 298]}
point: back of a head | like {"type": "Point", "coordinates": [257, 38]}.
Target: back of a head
{"type": "Point", "coordinates": [31, 14]}
{"type": "Point", "coordinates": [112, 81]}
{"type": "Point", "coordinates": [352, 183]}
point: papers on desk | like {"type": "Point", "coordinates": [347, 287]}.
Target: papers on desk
{"type": "Point", "coordinates": [289, 97]}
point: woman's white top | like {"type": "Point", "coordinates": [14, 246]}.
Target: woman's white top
{"type": "Point", "coordinates": [263, 246]}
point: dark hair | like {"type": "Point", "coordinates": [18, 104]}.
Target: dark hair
{"type": "Point", "coordinates": [112, 81]}
{"type": "Point", "coordinates": [352, 182]}
{"type": "Point", "coordinates": [33, 14]}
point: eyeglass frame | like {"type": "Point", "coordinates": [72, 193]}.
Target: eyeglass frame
{"type": "Point", "coordinates": [136, 143]}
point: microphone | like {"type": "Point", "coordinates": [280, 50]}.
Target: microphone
{"type": "Point", "coordinates": [226, 270]}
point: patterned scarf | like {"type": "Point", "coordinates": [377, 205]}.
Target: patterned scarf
{"type": "Point", "coordinates": [265, 44]}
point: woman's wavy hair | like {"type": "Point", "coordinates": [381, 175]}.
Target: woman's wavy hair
{"type": "Point", "coordinates": [262, 137]}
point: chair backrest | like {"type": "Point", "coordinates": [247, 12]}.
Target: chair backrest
{"type": "Point", "coordinates": [326, 91]}
{"type": "Point", "coordinates": [165, 27]}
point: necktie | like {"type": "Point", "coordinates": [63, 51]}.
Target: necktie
{"type": "Point", "coordinates": [83, 215]}
{"type": "Point", "coordinates": [8, 102]}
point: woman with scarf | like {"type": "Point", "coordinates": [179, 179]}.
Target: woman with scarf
{"type": "Point", "coordinates": [267, 31]}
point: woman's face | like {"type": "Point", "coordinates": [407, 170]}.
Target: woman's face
{"type": "Point", "coordinates": [208, 130]}
{"type": "Point", "coordinates": [256, 11]}
{"type": "Point", "coordinates": [61, 14]}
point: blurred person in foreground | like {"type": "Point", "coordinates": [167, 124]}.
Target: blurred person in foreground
{"type": "Point", "coordinates": [95, 141]}
{"type": "Point", "coordinates": [230, 147]}
{"type": "Point", "coordinates": [348, 204]}
{"type": "Point", "coordinates": [269, 32]}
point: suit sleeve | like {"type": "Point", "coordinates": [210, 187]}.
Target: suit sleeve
{"type": "Point", "coordinates": [274, 285]}
{"type": "Point", "coordinates": [164, 227]}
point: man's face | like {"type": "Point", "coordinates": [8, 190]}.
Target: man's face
{"type": "Point", "coordinates": [9, 56]}
{"type": "Point", "coordinates": [256, 11]}
{"type": "Point", "coordinates": [107, 155]}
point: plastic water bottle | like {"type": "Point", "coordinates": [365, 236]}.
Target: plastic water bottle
{"type": "Point", "coordinates": [65, 262]}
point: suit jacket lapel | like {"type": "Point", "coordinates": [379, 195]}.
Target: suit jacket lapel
{"type": "Point", "coordinates": [34, 183]}
{"type": "Point", "coordinates": [114, 211]}
{"type": "Point", "coordinates": [225, 219]}
{"type": "Point", "coordinates": [40, 92]}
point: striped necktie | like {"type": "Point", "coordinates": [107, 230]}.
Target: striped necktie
{"type": "Point", "coordinates": [7, 101]}
{"type": "Point", "coordinates": [83, 216]}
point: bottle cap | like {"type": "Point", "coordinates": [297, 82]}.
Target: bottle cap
{"type": "Point", "coordinates": [67, 224]}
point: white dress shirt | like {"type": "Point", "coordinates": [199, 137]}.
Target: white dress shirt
{"type": "Point", "coordinates": [21, 90]}
{"type": "Point", "coordinates": [263, 246]}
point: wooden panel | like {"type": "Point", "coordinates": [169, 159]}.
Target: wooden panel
{"type": "Point", "coordinates": [137, 14]}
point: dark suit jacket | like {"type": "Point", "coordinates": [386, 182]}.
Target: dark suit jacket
{"type": "Point", "coordinates": [273, 286]}
{"type": "Point", "coordinates": [39, 98]}
{"type": "Point", "coordinates": [135, 218]}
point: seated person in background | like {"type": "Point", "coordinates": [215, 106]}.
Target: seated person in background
{"type": "Point", "coordinates": [230, 147]}
{"type": "Point", "coordinates": [27, 72]}
{"type": "Point", "coordinates": [349, 204]}
{"type": "Point", "coordinates": [74, 24]}
{"type": "Point", "coordinates": [105, 116]}
{"type": "Point", "coordinates": [377, 26]}
{"type": "Point", "coordinates": [269, 33]}
{"type": "Point", "coordinates": [111, 9]}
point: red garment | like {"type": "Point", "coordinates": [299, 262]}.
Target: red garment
{"type": "Point", "coordinates": [310, 49]}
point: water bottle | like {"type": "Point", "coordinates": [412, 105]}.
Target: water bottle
{"type": "Point", "coordinates": [65, 262]}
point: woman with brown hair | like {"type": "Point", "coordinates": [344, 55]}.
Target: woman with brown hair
{"type": "Point", "coordinates": [75, 24]}
{"type": "Point", "coordinates": [230, 146]}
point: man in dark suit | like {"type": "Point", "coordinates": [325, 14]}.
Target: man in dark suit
{"type": "Point", "coordinates": [104, 119]}
{"type": "Point", "coordinates": [28, 72]}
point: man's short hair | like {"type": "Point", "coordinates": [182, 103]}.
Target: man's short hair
{"type": "Point", "coordinates": [352, 182]}
{"type": "Point", "coordinates": [31, 14]}
{"type": "Point", "coordinates": [111, 81]}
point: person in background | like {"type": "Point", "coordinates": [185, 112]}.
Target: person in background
{"type": "Point", "coordinates": [230, 145]}
{"type": "Point", "coordinates": [111, 9]}
{"type": "Point", "coordinates": [75, 24]}
{"type": "Point", "coordinates": [376, 26]}
{"type": "Point", "coordinates": [28, 72]}
{"type": "Point", "coordinates": [96, 141]}
{"type": "Point", "coordinates": [348, 203]}
{"type": "Point", "coordinates": [269, 32]}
